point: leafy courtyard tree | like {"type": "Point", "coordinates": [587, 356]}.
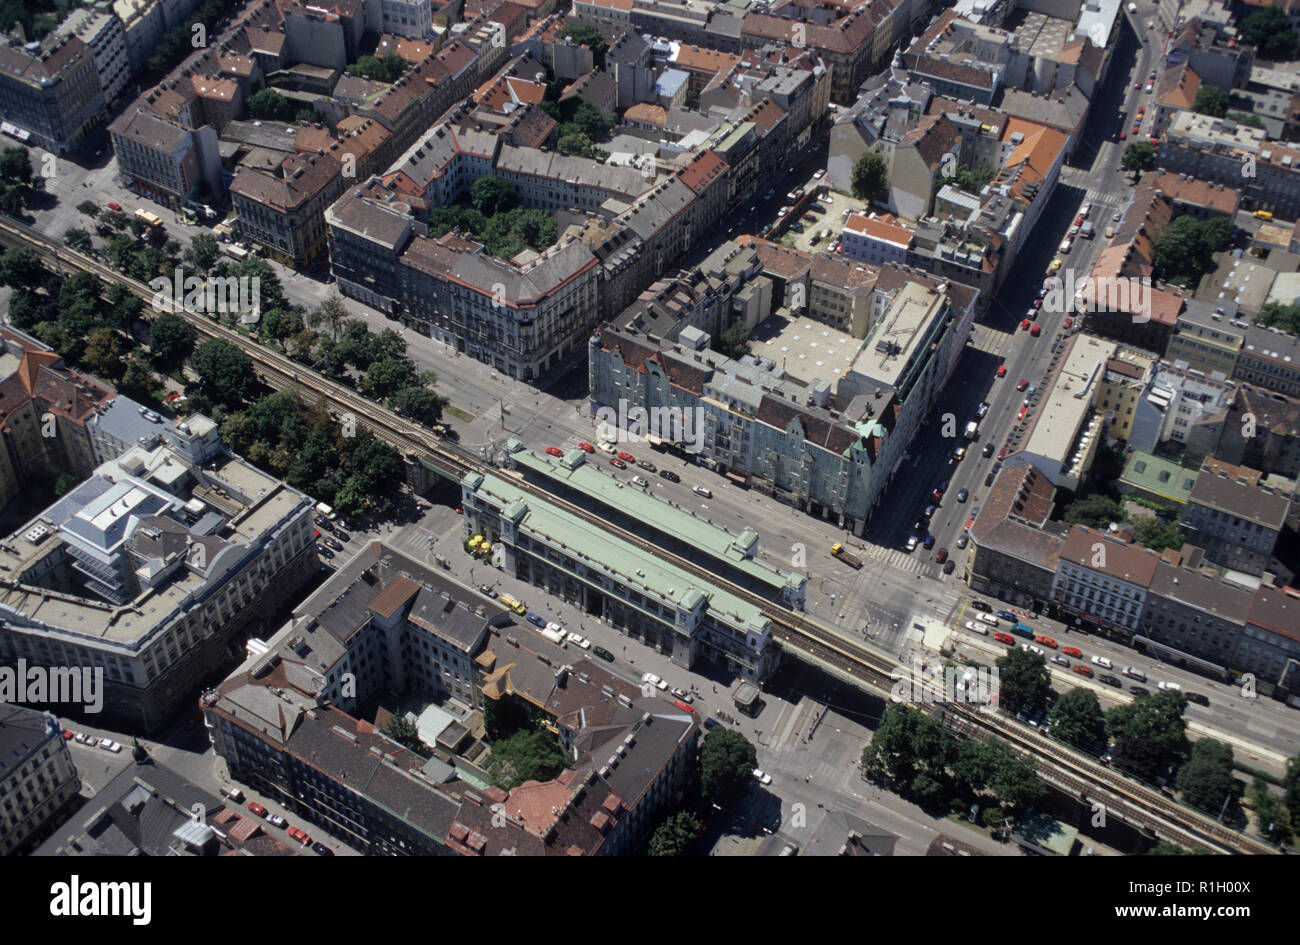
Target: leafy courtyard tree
{"type": "Point", "coordinates": [1270, 31]}
{"type": "Point", "coordinates": [524, 756]}
{"type": "Point", "coordinates": [225, 373]}
{"type": "Point", "coordinates": [870, 177]}
{"type": "Point", "coordinates": [1150, 733]}
{"type": "Point", "coordinates": [1210, 100]}
{"type": "Point", "coordinates": [171, 340]}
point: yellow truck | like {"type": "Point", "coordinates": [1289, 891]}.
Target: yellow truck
{"type": "Point", "coordinates": [839, 551]}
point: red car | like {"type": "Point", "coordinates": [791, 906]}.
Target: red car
{"type": "Point", "coordinates": [1142, 110]}
{"type": "Point", "coordinates": [257, 808]}
{"type": "Point", "coordinates": [1006, 638]}
{"type": "Point", "coordinates": [1024, 325]}
{"type": "Point", "coordinates": [114, 206]}
{"type": "Point", "coordinates": [586, 447]}
{"type": "Point", "coordinates": [1078, 221]}
{"type": "Point", "coordinates": [1069, 323]}
{"type": "Point", "coordinates": [300, 835]}
{"type": "Point", "coordinates": [1002, 453]}
{"type": "Point", "coordinates": [67, 734]}
{"type": "Point", "coordinates": [1038, 303]}
{"type": "Point", "coordinates": [615, 461]}
{"type": "Point", "coordinates": [554, 451]}
{"type": "Point", "coordinates": [1036, 331]}
{"type": "Point", "coordinates": [1023, 384]}
{"type": "Point", "coordinates": [942, 556]}
{"type": "Point", "coordinates": [1072, 651]}
{"type": "Point", "coordinates": [936, 495]}
{"type": "Point", "coordinates": [1023, 411]}
{"type": "Point", "coordinates": [969, 523]}
{"type": "Point", "coordinates": [1137, 127]}
{"type": "Point", "coordinates": [1083, 670]}
{"type": "Point", "coordinates": [1123, 136]}
{"type": "Point", "coordinates": [1001, 371]}
{"type": "Point", "coordinates": [627, 457]}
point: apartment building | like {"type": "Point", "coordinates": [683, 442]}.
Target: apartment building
{"type": "Point", "coordinates": [52, 93]}
{"type": "Point", "coordinates": [1016, 548]}
{"type": "Point", "coordinates": [1262, 431]}
{"type": "Point", "coordinates": [152, 569]}
{"type": "Point", "coordinates": [285, 212]}
{"type": "Point", "coordinates": [629, 755]}
{"type": "Point", "coordinates": [47, 411]}
{"type": "Point", "coordinates": [1235, 519]}
{"type": "Point", "coordinates": [162, 158]}
{"type": "Point", "coordinates": [773, 429]}
{"type": "Point", "coordinates": [1127, 374]}
{"type": "Point", "coordinates": [39, 784]}
{"type": "Point", "coordinates": [104, 34]}
{"type": "Point", "coordinates": [1181, 405]}
{"type": "Point", "coordinates": [1103, 579]}
{"type": "Point", "coordinates": [1239, 157]}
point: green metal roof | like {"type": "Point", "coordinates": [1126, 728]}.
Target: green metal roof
{"type": "Point", "coordinates": [1158, 476]}
{"type": "Point", "coordinates": [712, 540]}
{"type": "Point", "coordinates": [601, 551]}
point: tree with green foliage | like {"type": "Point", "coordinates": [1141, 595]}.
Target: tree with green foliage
{"type": "Point", "coordinates": [1184, 247]}
{"type": "Point", "coordinates": [88, 208]}
{"type": "Point", "coordinates": [16, 165]}
{"type": "Point", "coordinates": [1095, 511]}
{"type": "Point", "coordinates": [103, 353]}
{"type": "Point", "coordinates": [1157, 534]}
{"type": "Point", "coordinates": [1291, 784]}
{"type": "Point", "coordinates": [591, 122]}
{"type": "Point", "coordinates": [586, 35]}
{"type": "Point", "coordinates": [387, 70]}
{"type": "Point", "coordinates": [1024, 683]}
{"type": "Point", "coordinates": [906, 742]}
{"type": "Point", "coordinates": [574, 144]}
{"type": "Point", "coordinates": [870, 177]}
{"type": "Point", "coordinates": [225, 373]}
{"type": "Point", "coordinates": [525, 756]}
{"type": "Point", "coordinates": [1078, 720]}
{"type": "Point", "coordinates": [1280, 315]}
{"type": "Point", "coordinates": [21, 268]}
{"type": "Point", "coordinates": [203, 253]}
{"type": "Point", "coordinates": [1210, 100]}
{"type": "Point", "coordinates": [727, 762]}
{"type": "Point", "coordinates": [419, 404]}
{"type": "Point", "coordinates": [1272, 819]}
{"type": "Point", "coordinates": [330, 312]}
{"type": "Point", "coordinates": [64, 484]}
{"type": "Point", "coordinates": [970, 179]}
{"type": "Point", "coordinates": [1205, 779]}
{"type": "Point", "coordinates": [270, 105]}
{"type": "Point", "coordinates": [1139, 156]}
{"type": "Point", "coordinates": [124, 308]}
{"type": "Point", "coordinates": [171, 340]}
{"type": "Point", "coordinates": [1269, 30]}
{"type": "Point", "coordinates": [735, 340]}
{"type": "Point", "coordinates": [77, 238]}
{"type": "Point", "coordinates": [675, 835]}
{"type": "Point", "coordinates": [491, 195]}
{"type": "Point", "coordinates": [1149, 733]}
{"type": "Point", "coordinates": [1247, 119]}
{"type": "Point", "coordinates": [138, 381]}
{"type": "Point", "coordinates": [403, 731]}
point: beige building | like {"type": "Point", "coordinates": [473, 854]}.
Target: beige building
{"type": "Point", "coordinates": [1126, 376]}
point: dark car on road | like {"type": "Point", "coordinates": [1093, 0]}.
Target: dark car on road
{"type": "Point", "coordinates": [1139, 690]}
{"type": "Point", "coordinates": [324, 552]}
{"type": "Point", "coordinates": [1197, 698]}
{"type": "Point", "coordinates": [669, 475]}
{"type": "Point", "coordinates": [1110, 680]}
{"type": "Point", "coordinates": [963, 495]}
{"type": "Point", "coordinates": [334, 544]}
{"type": "Point", "coordinates": [988, 449]}
{"type": "Point", "coordinates": [488, 590]}
{"type": "Point", "coordinates": [950, 566]}
{"type": "Point", "coordinates": [536, 620]}
{"type": "Point", "coordinates": [321, 849]}
{"type": "Point", "coordinates": [603, 653]}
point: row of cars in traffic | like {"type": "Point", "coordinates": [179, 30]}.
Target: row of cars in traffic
{"type": "Point", "coordinates": [82, 738]}
{"type": "Point", "coordinates": [922, 534]}
{"type": "Point", "coordinates": [329, 536]}
{"type": "Point", "coordinates": [986, 621]}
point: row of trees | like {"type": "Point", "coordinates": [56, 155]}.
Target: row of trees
{"type": "Point", "coordinates": [581, 125]}
{"type": "Point", "coordinates": [1270, 32]}
{"type": "Point", "coordinates": [388, 69]}
{"type": "Point", "coordinates": [726, 765]}
{"type": "Point", "coordinates": [1280, 315]}
{"type": "Point", "coordinates": [918, 757]}
{"type": "Point", "coordinates": [179, 42]}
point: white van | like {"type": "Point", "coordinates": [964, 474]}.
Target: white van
{"type": "Point", "coordinates": [323, 509]}
{"type": "Point", "coordinates": [701, 490]}
{"type": "Point", "coordinates": [988, 619]}
{"type": "Point", "coordinates": [234, 793]}
{"type": "Point", "coordinates": [973, 627]}
{"type": "Point", "coordinates": [1132, 672]}
{"type": "Point", "coordinates": [640, 481]}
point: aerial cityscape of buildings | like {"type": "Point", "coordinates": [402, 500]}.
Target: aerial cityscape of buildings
{"type": "Point", "coordinates": [776, 348]}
